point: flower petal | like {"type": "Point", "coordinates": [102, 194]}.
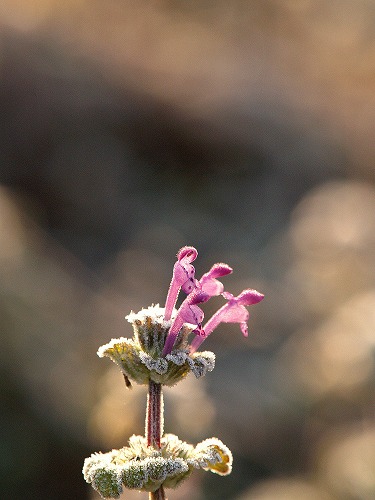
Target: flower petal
{"type": "Point", "coordinates": [235, 313]}
{"type": "Point", "coordinates": [208, 281]}
{"type": "Point", "coordinates": [189, 286]}
{"type": "Point", "coordinates": [189, 312]}
{"type": "Point", "coordinates": [192, 314]}
{"type": "Point", "coordinates": [183, 276]}
{"type": "Point", "coordinates": [188, 253]}
{"type": "Point", "coordinates": [248, 297]}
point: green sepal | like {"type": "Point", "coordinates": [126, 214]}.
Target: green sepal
{"type": "Point", "coordinates": [125, 353]}
{"type": "Point", "coordinates": [140, 358]}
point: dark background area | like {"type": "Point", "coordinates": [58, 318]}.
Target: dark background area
{"type": "Point", "coordinates": [245, 128]}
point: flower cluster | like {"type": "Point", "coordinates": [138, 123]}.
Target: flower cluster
{"type": "Point", "coordinates": [198, 291]}
{"type": "Point", "coordinates": [160, 350]}
{"type": "Point", "coordinates": [142, 467]}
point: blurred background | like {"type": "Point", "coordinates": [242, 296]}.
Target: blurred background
{"type": "Point", "coordinates": [129, 128]}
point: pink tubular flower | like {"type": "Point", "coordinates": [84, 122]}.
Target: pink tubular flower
{"type": "Point", "coordinates": [190, 313]}
{"type": "Point", "coordinates": [233, 311]}
{"type": "Point", "coordinates": [183, 277]}
{"type": "Point", "coordinates": [210, 284]}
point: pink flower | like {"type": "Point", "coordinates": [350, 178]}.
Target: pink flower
{"type": "Point", "coordinates": [234, 311]}
{"type": "Point", "coordinates": [190, 313]}
{"type": "Point", "coordinates": [183, 277]}
{"type": "Point", "coordinates": [198, 291]}
{"type": "Point", "coordinates": [208, 281]}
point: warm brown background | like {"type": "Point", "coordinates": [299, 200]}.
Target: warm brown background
{"type": "Point", "coordinates": [245, 128]}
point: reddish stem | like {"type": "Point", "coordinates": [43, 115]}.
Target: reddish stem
{"type": "Point", "coordinates": [155, 426]}
{"type": "Point", "coordinates": [158, 494]}
{"type": "Point", "coordinates": [154, 419]}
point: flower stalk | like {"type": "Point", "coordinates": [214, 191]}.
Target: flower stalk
{"type": "Point", "coordinates": [158, 494]}
{"type": "Point", "coordinates": [155, 426]}
{"type": "Point", "coordinates": [161, 353]}
{"type": "Point", "coordinates": [155, 418]}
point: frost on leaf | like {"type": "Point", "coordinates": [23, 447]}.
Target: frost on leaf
{"type": "Point", "coordinates": [142, 467]}
{"type": "Point", "coordinates": [141, 367]}
{"type": "Point", "coordinates": [104, 476]}
{"type": "Point", "coordinates": [159, 365]}
{"type": "Point", "coordinates": [134, 475]}
{"type": "Point", "coordinates": [177, 357]}
{"type": "Point", "coordinates": [201, 362]}
{"type": "Point", "coordinates": [212, 455]}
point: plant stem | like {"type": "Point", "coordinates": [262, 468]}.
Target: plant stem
{"type": "Point", "coordinates": [158, 494]}
{"type": "Point", "coordinates": [154, 418]}
{"type": "Point", "coordinates": [155, 426]}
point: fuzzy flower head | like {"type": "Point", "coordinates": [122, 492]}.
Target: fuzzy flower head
{"type": "Point", "coordinates": [160, 349]}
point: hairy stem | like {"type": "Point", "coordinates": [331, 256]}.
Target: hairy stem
{"type": "Point", "coordinates": [158, 494]}
{"type": "Point", "coordinates": [154, 418]}
{"type": "Point", "coordinates": [155, 426]}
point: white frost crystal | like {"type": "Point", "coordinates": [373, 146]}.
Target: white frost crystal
{"type": "Point", "coordinates": [155, 312]}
